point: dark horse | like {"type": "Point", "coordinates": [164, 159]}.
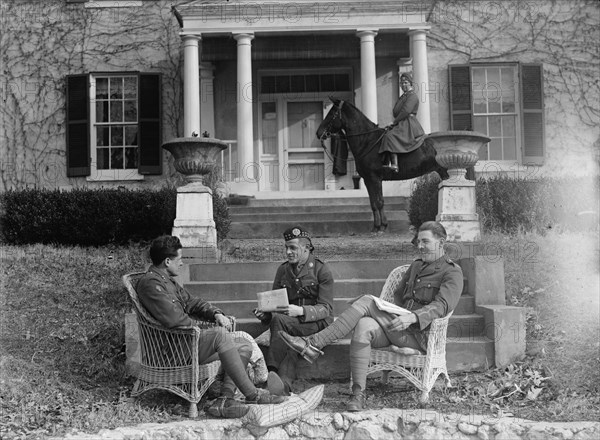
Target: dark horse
{"type": "Point", "coordinates": [364, 138]}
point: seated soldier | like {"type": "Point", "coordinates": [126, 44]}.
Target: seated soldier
{"type": "Point", "coordinates": [309, 286]}
{"type": "Point", "coordinates": [173, 306]}
{"type": "Point", "coordinates": [430, 289]}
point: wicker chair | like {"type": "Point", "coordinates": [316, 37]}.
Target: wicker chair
{"type": "Point", "coordinates": [421, 370]}
{"type": "Point", "coordinates": [169, 357]}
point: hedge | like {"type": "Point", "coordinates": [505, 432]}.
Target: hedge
{"type": "Point", "coordinates": [94, 217]}
{"type": "Point", "coordinates": [510, 205]}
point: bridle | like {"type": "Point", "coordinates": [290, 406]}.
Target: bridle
{"type": "Point", "coordinates": [327, 133]}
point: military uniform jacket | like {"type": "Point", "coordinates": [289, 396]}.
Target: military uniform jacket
{"type": "Point", "coordinates": [311, 288]}
{"type": "Point", "coordinates": [169, 303]}
{"type": "Point", "coordinates": [430, 291]}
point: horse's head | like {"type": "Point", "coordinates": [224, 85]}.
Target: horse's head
{"type": "Point", "coordinates": [332, 122]}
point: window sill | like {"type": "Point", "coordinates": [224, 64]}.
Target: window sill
{"type": "Point", "coordinates": [114, 175]}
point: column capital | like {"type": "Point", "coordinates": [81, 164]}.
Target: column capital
{"type": "Point", "coordinates": [191, 38]}
{"type": "Point", "coordinates": [418, 33]}
{"type": "Point", "coordinates": [243, 36]}
{"type": "Point", "coordinates": [362, 33]}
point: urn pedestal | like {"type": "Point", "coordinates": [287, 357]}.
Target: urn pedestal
{"type": "Point", "coordinates": [194, 223]}
{"type": "Point", "coordinates": [456, 151]}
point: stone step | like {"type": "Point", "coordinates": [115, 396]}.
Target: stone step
{"type": "Point", "coordinates": [274, 229]}
{"type": "Point", "coordinates": [303, 218]}
{"type": "Point", "coordinates": [320, 201]}
{"type": "Point", "coordinates": [260, 271]}
{"type": "Point", "coordinates": [466, 354]}
{"type": "Point", "coordinates": [235, 210]}
{"type": "Point", "coordinates": [460, 326]}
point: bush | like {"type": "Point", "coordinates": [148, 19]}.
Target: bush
{"type": "Point", "coordinates": [509, 205]}
{"type": "Point", "coordinates": [423, 202]}
{"type": "Point", "coordinates": [94, 217]}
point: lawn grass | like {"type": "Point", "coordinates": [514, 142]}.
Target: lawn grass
{"type": "Point", "coordinates": [62, 335]}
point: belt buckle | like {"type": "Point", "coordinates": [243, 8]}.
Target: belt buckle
{"type": "Point", "coordinates": [410, 304]}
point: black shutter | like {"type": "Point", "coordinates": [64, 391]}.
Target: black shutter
{"type": "Point", "coordinates": [78, 131]}
{"type": "Point", "coordinates": [149, 131]}
{"type": "Point", "coordinates": [460, 97]}
{"type": "Point", "coordinates": [461, 114]}
{"type": "Point", "coordinates": [532, 93]}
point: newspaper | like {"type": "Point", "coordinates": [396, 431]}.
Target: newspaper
{"type": "Point", "coordinates": [390, 307]}
{"type": "Point", "coordinates": [272, 300]}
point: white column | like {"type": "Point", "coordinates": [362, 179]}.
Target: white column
{"type": "Point", "coordinates": [245, 135]}
{"type": "Point", "coordinates": [418, 51]}
{"type": "Point", "coordinates": [368, 76]}
{"type": "Point", "coordinates": [207, 99]}
{"type": "Point", "coordinates": [191, 86]}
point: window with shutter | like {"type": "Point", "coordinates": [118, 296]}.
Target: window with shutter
{"type": "Point", "coordinates": [505, 102]}
{"type": "Point", "coordinates": [114, 126]}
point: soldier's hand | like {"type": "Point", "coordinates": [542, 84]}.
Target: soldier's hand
{"type": "Point", "coordinates": [291, 310]}
{"type": "Point", "coordinates": [402, 322]}
{"type": "Point", "coordinates": [260, 315]}
{"type": "Point", "coordinates": [222, 320]}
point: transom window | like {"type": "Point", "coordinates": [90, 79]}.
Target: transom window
{"type": "Point", "coordinates": [305, 82]}
{"type": "Point", "coordinates": [115, 127]}
{"type": "Point", "coordinates": [495, 107]}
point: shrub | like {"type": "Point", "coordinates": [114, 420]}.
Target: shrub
{"type": "Point", "coordinates": [423, 202]}
{"type": "Point", "coordinates": [511, 205]}
{"type": "Point", "coordinates": [94, 217]}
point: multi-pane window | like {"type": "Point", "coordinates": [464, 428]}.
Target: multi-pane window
{"type": "Point", "coordinates": [115, 128]}
{"type": "Point", "coordinates": [495, 110]}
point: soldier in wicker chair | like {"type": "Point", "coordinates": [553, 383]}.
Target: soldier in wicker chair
{"type": "Point", "coordinates": [173, 306]}
{"type": "Point", "coordinates": [430, 289]}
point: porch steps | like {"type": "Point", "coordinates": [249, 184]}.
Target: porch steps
{"type": "Point", "coordinates": [233, 286]}
{"type": "Point", "coordinates": [323, 217]}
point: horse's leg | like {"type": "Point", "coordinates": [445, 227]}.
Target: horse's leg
{"type": "Point", "coordinates": [374, 188]}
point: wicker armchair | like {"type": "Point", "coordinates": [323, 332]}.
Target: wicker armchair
{"type": "Point", "coordinates": [169, 357]}
{"type": "Point", "coordinates": [421, 370]}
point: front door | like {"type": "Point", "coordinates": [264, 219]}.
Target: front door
{"type": "Point", "coordinates": [303, 157]}
{"type": "Point", "coordinates": [291, 155]}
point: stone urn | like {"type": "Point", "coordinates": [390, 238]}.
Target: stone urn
{"type": "Point", "coordinates": [195, 157]}
{"type": "Point", "coordinates": [457, 150]}
{"type": "Point", "coordinates": [457, 211]}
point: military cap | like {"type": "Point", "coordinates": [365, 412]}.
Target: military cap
{"type": "Point", "coordinates": [295, 232]}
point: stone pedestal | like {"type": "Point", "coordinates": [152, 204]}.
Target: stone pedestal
{"type": "Point", "coordinates": [194, 224]}
{"type": "Point", "coordinates": [456, 151]}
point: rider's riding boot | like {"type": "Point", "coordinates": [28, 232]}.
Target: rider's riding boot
{"type": "Point", "coordinates": [394, 165]}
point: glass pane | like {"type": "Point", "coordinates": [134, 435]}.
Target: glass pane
{"type": "Point", "coordinates": [101, 88]}
{"type": "Point", "coordinates": [508, 126]}
{"type": "Point", "coordinates": [282, 84]}
{"type": "Point", "coordinates": [508, 106]}
{"type": "Point", "coordinates": [478, 79]}
{"type": "Point", "coordinates": [496, 149]}
{"type": "Point", "coordinates": [507, 82]}
{"type": "Point", "coordinates": [494, 126]}
{"type": "Point", "coordinates": [116, 88]}
{"type": "Point", "coordinates": [101, 111]}
{"type": "Point", "coordinates": [483, 152]}
{"type": "Point", "coordinates": [494, 105]}
{"type": "Point", "coordinates": [131, 158]}
{"type": "Point", "coordinates": [297, 83]}
{"type": "Point", "coordinates": [116, 158]}
{"type": "Point", "coordinates": [130, 111]}
{"type": "Point", "coordinates": [102, 136]}
{"type": "Point", "coordinates": [510, 149]}
{"type": "Point", "coordinates": [493, 77]}
{"type": "Point", "coordinates": [131, 135]}
{"type": "Point", "coordinates": [267, 84]}
{"type": "Point", "coordinates": [102, 158]}
{"type": "Point", "coordinates": [479, 105]}
{"type": "Point", "coordinates": [480, 124]}
{"type": "Point", "coordinates": [342, 82]}
{"type": "Point", "coordinates": [131, 87]}
{"type": "Point", "coordinates": [116, 135]}
{"type": "Point", "coordinates": [269, 128]}
{"type": "Point", "coordinates": [312, 83]}
{"type": "Point", "coordinates": [116, 111]}
{"type": "Point", "coordinates": [327, 83]}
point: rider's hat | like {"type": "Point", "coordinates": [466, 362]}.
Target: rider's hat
{"type": "Point", "coordinates": [408, 77]}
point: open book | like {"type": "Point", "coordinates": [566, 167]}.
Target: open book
{"type": "Point", "coordinates": [390, 307]}
{"type": "Point", "coordinates": [270, 300]}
